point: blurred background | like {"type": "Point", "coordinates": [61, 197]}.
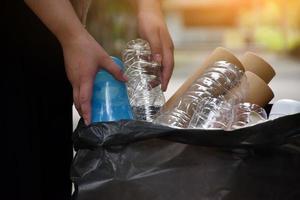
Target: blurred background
{"type": "Point", "coordinates": [270, 28]}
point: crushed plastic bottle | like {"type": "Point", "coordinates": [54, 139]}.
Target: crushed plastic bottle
{"type": "Point", "coordinates": [212, 113]}
{"type": "Point", "coordinates": [246, 114]}
{"type": "Point", "coordinates": [216, 81]}
{"type": "Point", "coordinates": [144, 83]}
{"type": "Point", "coordinates": [219, 113]}
{"type": "Point", "coordinates": [110, 100]}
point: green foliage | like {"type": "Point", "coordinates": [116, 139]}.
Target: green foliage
{"type": "Point", "coordinates": [270, 37]}
{"type": "Point", "coordinates": [112, 23]}
{"type": "Point", "coordinates": [275, 23]}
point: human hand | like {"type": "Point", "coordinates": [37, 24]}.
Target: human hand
{"type": "Point", "coordinates": [84, 57]}
{"type": "Point", "coordinates": [153, 29]}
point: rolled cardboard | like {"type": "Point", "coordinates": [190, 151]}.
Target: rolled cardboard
{"type": "Point", "coordinates": [258, 66]}
{"type": "Point", "coordinates": [258, 92]}
{"type": "Point", "coordinates": [219, 54]}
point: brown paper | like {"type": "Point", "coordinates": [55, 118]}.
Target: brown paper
{"type": "Point", "coordinates": [219, 54]}
{"type": "Point", "coordinates": [258, 92]}
{"type": "Point", "coordinates": [258, 66]}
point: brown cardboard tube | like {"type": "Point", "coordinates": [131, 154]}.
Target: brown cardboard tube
{"type": "Point", "coordinates": [219, 54]}
{"type": "Point", "coordinates": [258, 92]}
{"type": "Point", "coordinates": [258, 66]}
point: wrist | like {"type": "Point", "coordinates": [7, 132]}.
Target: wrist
{"type": "Point", "coordinates": [73, 36]}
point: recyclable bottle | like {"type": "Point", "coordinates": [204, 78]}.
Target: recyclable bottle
{"type": "Point", "coordinates": [144, 84]}
{"type": "Point", "coordinates": [110, 100]}
{"type": "Point", "coordinates": [217, 80]}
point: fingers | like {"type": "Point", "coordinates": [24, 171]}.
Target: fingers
{"type": "Point", "coordinates": [162, 49]}
{"type": "Point", "coordinates": [167, 59]}
{"type": "Point", "coordinates": [108, 64]}
{"type": "Point", "coordinates": [83, 90]}
{"type": "Point", "coordinates": [155, 45]}
{"type": "Point", "coordinates": [76, 99]}
{"type": "Point", "coordinates": [85, 96]}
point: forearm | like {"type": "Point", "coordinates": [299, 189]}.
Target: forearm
{"type": "Point", "coordinates": [60, 17]}
{"type": "Point", "coordinates": [148, 5]}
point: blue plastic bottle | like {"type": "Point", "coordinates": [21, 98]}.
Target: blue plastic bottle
{"type": "Point", "coordinates": [110, 100]}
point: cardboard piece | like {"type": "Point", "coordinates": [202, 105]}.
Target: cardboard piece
{"type": "Point", "coordinates": [258, 66]}
{"type": "Point", "coordinates": [258, 92]}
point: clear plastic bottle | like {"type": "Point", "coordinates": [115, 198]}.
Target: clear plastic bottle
{"type": "Point", "coordinates": [211, 113]}
{"type": "Point", "coordinates": [220, 113]}
{"type": "Point", "coordinates": [246, 114]}
{"type": "Point", "coordinates": [217, 80]}
{"type": "Point", "coordinates": [144, 84]}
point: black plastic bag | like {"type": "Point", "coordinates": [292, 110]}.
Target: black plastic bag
{"type": "Point", "coordinates": [131, 160]}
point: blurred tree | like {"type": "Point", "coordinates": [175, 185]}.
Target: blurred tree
{"type": "Point", "coordinates": [270, 24]}
{"type": "Point", "coordinates": [112, 23]}
{"type": "Point", "coordinates": [275, 23]}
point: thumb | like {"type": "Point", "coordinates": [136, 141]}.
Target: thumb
{"type": "Point", "coordinates": [109, 65]}
{"type": "Point", "coordinates": [85, 95]}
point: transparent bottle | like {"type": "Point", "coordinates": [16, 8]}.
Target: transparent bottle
{"type": "Point", "coordinates": [220, 113]}
{"type": "Point", "coordinates": [212, 113]}
{"type": "Point", "coordinates": [246, 114]}
{"type": "Point", "coordinates": [144, 82]}
{"type": "Point", "coordinates": [217, 80]}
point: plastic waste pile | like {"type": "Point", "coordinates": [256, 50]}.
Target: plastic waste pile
{"type": "Point", "coordinates": [224, 93]}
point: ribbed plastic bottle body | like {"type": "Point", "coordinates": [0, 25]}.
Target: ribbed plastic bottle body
{"type": "Point", "coordinates": [144, 84]}
{"type": "Point", "coordinates": [110, 100]}
{"type": "Point", "coordinates": [216, 81]}
{"type": "Point", "coordinates": [212, 112]}
{"type": "Point", "coordinates": [246, 114]}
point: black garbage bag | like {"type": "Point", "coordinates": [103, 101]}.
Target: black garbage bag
{"type": "Point", "coordinates": [131, 160]}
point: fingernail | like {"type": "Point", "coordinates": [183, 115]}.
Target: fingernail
{"type": "Point", "coordinates": [125, 77]}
